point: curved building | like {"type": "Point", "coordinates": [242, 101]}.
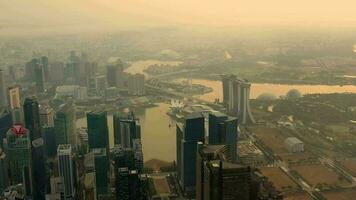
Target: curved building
{"type": "Point", "coordinates": [236, 98]}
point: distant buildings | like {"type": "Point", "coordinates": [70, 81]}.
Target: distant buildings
{"type": "Point", "coordinates": [294, 145]}
{"type": "Point", "coordinates": [188, 136]}
{"type": "Point", "coordinates": [39, 75]}
{"type": "Point", "coordinates": [73, 91]}
{"type": "Point", "coordinates": [98, 133]}
{"type": "Point", "coordinates": [66, 170]}
{"type": "Point", "coordinates": [223, 130]}
{"type": "Point", "coordinates": [136, 84]}
{"type": "Point", "coordinates": [236, 98]}
{"type": "Point", "coordinates": [115, 74]}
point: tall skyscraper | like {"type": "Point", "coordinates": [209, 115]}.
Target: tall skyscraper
{"type": "Point", "coordinates": [114, 74]}
{"type": "Point", "coordinates": [4, 171]}
{"type": "Point", "coordinates": [127, 168]}
{"type": "Point", "coordinates": [44, 62]}
{"type": "Point", "coordinates": [236, 98]}
{"type": "Point", "coordinates": [205, 154]}
{"type": "Point", "coordinates": [136, 84]}
{"type": "Point", "coordinates": [66, 170]}
{"type": "Point", "coordinates": [188, 135]}
{"type": "Point", "coordinates": [98, 134]}
{"type": "Point", "coordinates": [223, 130]}
{"type": "Point", "coordinates": [3, 98]}
{"type": "Point", "coordinates": [17, 148]}
{"type": "Point", "coordinates": [14, 101]}
{"type": "Point", "coordinates": [49, 137]}
{"type": "Point", "coordinates": [225, 180]}
{"type": "Point", "coordinates": [39, 76]}
{"type": "Point", "coordinates": [56, 72]}
{"type": "Point", "coordinates": [46, 116]}
{"type": "Point", "coordinates": [64, 124]}
{"type": "Point", "coordinates": [38, 167]}
{"type": "Point", "coordinates": [126, 129]}
{"type": "Point", "coordinates": [101, 163]}
{"type": "Point", "coordinates": [5, 123]}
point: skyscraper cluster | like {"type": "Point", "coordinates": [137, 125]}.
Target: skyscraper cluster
{"type": "Point", "coordinates": [236, 98]}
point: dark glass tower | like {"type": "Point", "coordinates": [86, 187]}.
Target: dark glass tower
{"type": "Point", "coordinates": [98, 134]}
{"type": "Point", "coordinates": [64, 125]}
{"type": "Point", "coordinates": [190, 134]}
{"type": "Point", "coordinates": [38, 169]}
{"type": "Point", "coordinates": [223, 130]}
{"type": "Point", "coordinates": [5, 123]}
{"type": "Point", "coordinates": [101, 163]}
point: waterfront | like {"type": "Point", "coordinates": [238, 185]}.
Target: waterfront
{"type": "Point", "coordinates": [276, 89]}
{"type": "Point", "coordinates": [141, 65]}
{"type": "Point", "coordinates": [157, 132]}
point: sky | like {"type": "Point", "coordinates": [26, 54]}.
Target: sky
{"type": "Point", "coordinates": [36, 14]}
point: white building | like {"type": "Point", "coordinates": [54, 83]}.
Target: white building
{"type": "Point", "coordinates": [66, 170]}
{"type": "Point", "coordinates": [294, 145]}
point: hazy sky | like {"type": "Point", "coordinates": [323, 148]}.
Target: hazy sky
{"type": "Point", "coordinates": [133, 13]}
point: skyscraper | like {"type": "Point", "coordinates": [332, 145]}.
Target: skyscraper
{"type": "Point", "coordinates": [207, 153]}
{"type": "Point", "coordinates": [224, 181]}
{"type": "Point", "coordinates": [136, 84]}
{"type": "Point", "coordinates": [64, 124]}
{"type": "Point", "coordinates": [17, 148]}
{"type": "Point", "coordinates": [14, 101]}
{"type": "Point", "coordinates": [223, 130]}
{"type": "Point", "coordinates": [5, 123]}
{"type": "Point", "coordinates": [44, 62]}
{"type": "Point", "coordinates": [3, 98]}
{"type": "Point", "coordinates": [236, 98]}
{"type": "Point", "coordinates": [126, 129]}
{"type": "Point", "coordinates": [98, 134]}
{"type": "Point", "coordinates": [114, 74]}
{"type": "Point", "coordinates": [4, 171]}
{"type": "Point", "coordinates": [38, 168]}
{"type": "Point", "coordinates": [39, 76]}
{"type": "Point", "coordinates": [66, 170]}
{"type": "Point", "coordinates": [101, 165]}
{"type": "Point", "coordinates": [189, 134]}
{"type": "Point", "coordinates": [49, 138]}
{"type": "Point", "coordinates": [46, 116]}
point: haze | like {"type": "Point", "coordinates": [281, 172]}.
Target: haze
{"type": "Point", "coordinates": [64, 15]}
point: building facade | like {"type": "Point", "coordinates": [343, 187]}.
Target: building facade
{"type": "Point", "coordinates": [66, 170]}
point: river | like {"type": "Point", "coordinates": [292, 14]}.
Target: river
{"type": "Point", "coordinates": [158, 129]}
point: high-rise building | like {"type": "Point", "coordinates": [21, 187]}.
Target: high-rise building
{"type": "Point", "coordinates": [66, 170]}
{"type": "Point", "coordinates": [126, 168]}
{"type": "Point", "coordinates": [39, 76]}
{"type": "Point", "coordinates": [3, 98]}
{"type": "Point", "coordinates": [14, 101]}
{"type": "Point", "coordinates": [126, 129]}
{"type": "Point", "coordinates": [236, 98]}
{"type": "Point", "coordinates": [101, 165]}
{"type": "Point", "coordinates": [4, 171]}
{"type": "Point", "coordinates": [30, 70]}
{"type": "Point", "coordinates": [46, 116]}
{"type": "Point", "coordinates": [98, 134]}
{"type": "Point", "coordinates": [225, 180]}
{"type": "Point", "coordinates": [207, 153]}
{"type": "Point", "coordinates": [38, 167]}
{"type": "Point", "coordinates": [17, 149]}
{"type": "Point", "coordinates": [56, 74]}
{"type": "Point", "coordinates": [114, 74]}
{"type": "Point", "coordinates": [44, 62]}
{"type": "Point", "coordinates": [64, 124]}
{"type": "Point", "coordinates": [5, 123]}
{"type": "Point", "coordinates": [100, 85]}
{"type": "Point", "coordinates": [189, 134]}
{"type": "Point", "coordinates": [49, 137]}
{"type": "Point", "coordinates": [223, 130]}
{"type": "Point", "coordinates": [136, 84]}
